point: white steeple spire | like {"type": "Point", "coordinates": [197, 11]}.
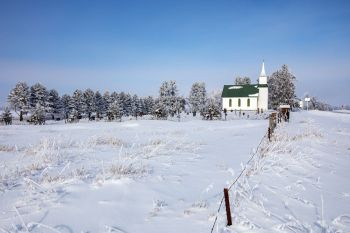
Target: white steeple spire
{"type": "Point", "coordinates": [263, 73]}
{"type": "Point", "coordinates": [263, 77]}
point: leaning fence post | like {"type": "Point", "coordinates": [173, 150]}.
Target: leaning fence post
{"type": "Point", "coordinates": [228, 210]}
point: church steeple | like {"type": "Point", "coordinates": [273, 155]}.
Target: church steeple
{"type": "Point", "coordinates": [263, 73]}
{"type": "Point", "coordinates": [263, 77]}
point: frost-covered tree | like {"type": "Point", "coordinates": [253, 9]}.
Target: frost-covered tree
{"type": "Point", "coordinates": [89, 102]}
{"type": "Point", "coordinates": [39, 95]}
{"type": "Point", "coordinates": [55, 102]}
{"type": "Point", "coordinates": [242, 80]}
{"type": "Point", "coordinates": [213, 105]}
{"type": "Point", "coordinates": [19, 99]}
{"type": "Point", "coordinates": [142, 107]}
{"type": "Point", "coordinates": [168, 94]}
{"type": "Point", "coordinates": [281, 87]}
{"type": "Point", "coordinates": [107, 99]}
{"type": "Point", "coordinates": [115, 110]}
{"type": "Point", "coordinates": [78, 102]}
{"type": "Point", "coordinates": [114, 96]}
{"type": "Point", "coordinates": [159, 109]}
{"type": "Point", "coordinates": [7, 116]}
{"type": "Point", "coordinates": [135, 106]}
{"type": "Point", "coordinates": [100, 105]}
{"type": "Point", "coordinates": [73, 116]}
{"type": "Point", "coordinates": [38, 114]}
{"type": "Point", "coordinates": [148, 105]}
{"type": "Point", "coordinates": [66, 102]}
{"type": "Point", "coordinates": [315, 103]}
{"type": "Point", "coordinates": [198, 97]}
{"type": "Point", "coordinates": [127, 105]}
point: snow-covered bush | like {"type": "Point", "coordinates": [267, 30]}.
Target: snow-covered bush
{"type": "Point", "coordinates": [6, 116]}
{"type": "Point", "coordinates": [38, 115]}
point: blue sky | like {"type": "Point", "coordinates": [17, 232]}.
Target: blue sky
{"type": "Point", "coordinates": [135, 45]}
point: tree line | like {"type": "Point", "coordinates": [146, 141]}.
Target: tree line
{"type": "Point", "coordinates": [40, 104]}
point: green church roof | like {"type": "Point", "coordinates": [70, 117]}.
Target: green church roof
{"type": "Point", "coordinates": [240, 90]}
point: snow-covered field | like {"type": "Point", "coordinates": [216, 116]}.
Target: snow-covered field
{"type": "Point", "coordinates": [167, 176]}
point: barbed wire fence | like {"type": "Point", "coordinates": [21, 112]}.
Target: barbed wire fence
{"type": "Point", "coordinates": [266, 136]}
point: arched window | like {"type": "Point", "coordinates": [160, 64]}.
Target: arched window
{"type": "Point", "coordinates": [248, 102]}
{"type": "Point", "coordinates": [239, 102]}
{"type": "Point", "coordinates": [230, 103]}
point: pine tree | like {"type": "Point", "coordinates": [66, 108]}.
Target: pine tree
{"type": "Point", "coordinates": [159, 109]}
{"type": "Point", "coordinates": [19, 99]}
{"type": "Point", "coordinates": [78, 102]}
{"type": "Point", "coordinates": [197, 98]}
{"type": "Point", "coordinates": [100, 105]}
{"type": "Point", "coordinates": [281, 87]}
{"type": "Point", "coordinates": [66, 100]}
{"type": "Point", "coordinates": [213, 106]}
{"type": "Point", "coordinates": [168, 94]}
{"type": "Point", "coordinates": [7, 116]}
{"type": "Point", "coordinates": [89, 102]}
{"type": "Point", "coordinates": [38, 114]}
{"type": "Point", "coordinates": [149, 105]}
{"type": "Point", "coordinates": [55, 103]}
{"type": "Point", "coordinates": [73, 114]}
{"type": "Point", "coordinates": [107, 100]}
{"type": "Point", "coordinates": [114, 96]}
{"type": "Point", "coordinates": [115, 110]}
{"type": "Point", "coordinates": [39, 95]}
{"type": "Point", "coordinates": [135, 106]}
{"type": "Point", "coordinates": [127, 105]}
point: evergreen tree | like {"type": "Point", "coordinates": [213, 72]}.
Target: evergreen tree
{"type": "Point", "coordinates": [39, 95]}
{"type": "Point", "coordinates": [198, 97]}
{"type": "Point", "coordinates": [89, 102]}
{"type": "Point", "coordinates": [159, 109]}
{"type": "Point", "coordinates": [100, 105]}
{"type": "Point", "coordinates": [19, 99]}
{"type": "Point", "coordinates": [73, 114]}
{"type": "Point", "coordinates": [114, 96]}
{"type": "Point", "coordinates": [127, 105]}
{"type": "Point", "coordinates": [213, 106]}
{"type": "Point", "coordinates": [135, 106]}
{"type": "Point", "coordinates": [78, 102]}
{"type": "Point", "coordinates": [106, 100]}
{"type": "Point", "coordinates": [66, 101]}
{"type": "Point", "coordinates": [281, 87]}
{"type": "Point", "coordinates": [55, 102]}
{"type": "Point", "coordinates": [115, 110]}
{"type": "Point", "coordinates": [38, 114]}
{"type": "Point", "coordinates": [148, 105]}
{"type": "Point", "coordinates": [7, 116]}
{"type": "Point", "coordinates": [168, 94]}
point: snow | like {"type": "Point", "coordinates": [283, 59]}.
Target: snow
{"type": "Point", "coordinates": [168, 176]}
{"type": "Point", "coordinates": [235, 87]}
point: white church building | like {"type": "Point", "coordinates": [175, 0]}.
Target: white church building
{"type": "Point", "coordinates": [249, 97]}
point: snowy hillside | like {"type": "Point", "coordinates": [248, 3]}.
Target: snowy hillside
{"type": "Point", "coordinates": [166, 176]}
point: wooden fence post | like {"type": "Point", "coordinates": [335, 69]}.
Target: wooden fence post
{"type": "Point", "coordinates": [228, 209]}
{"type": "Point", "coordinates": [269, 134]}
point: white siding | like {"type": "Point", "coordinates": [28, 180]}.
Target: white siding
{"type": "Point", "coordinates": [263, 98]}
{"type": "Point", "coordinates": [253, 104]}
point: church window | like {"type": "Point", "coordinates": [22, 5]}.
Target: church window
{"type": "Point", "coordinates": [248, 102]}
{"type": "Point", "coordinates": [230, 103]}
{"type": "Point", "coordinates": [239, 102]}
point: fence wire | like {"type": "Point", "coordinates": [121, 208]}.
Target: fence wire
{"type": "Point", "coordinates": [237, 178]}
